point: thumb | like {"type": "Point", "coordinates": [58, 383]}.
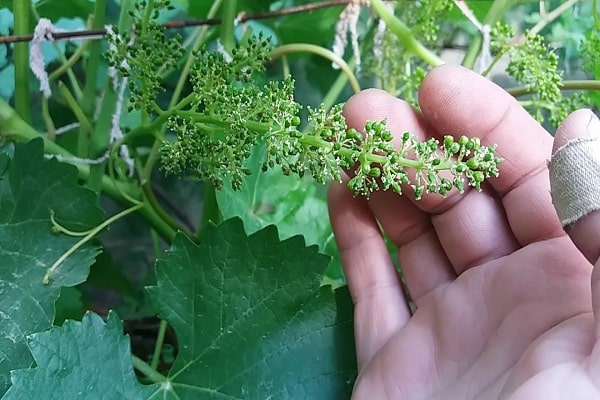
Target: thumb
{"type": "Point", "coordinates": [575, 185]}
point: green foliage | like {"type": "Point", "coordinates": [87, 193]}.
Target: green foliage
{"type": "Point", "coordinates": [242, 311]}
{"type": "Point", "coordinates": [242, 308]}
{"type": "Point", "coordinates": [90, 358]}
{"type": "Point", "coordinates": [295, 206]}
{"type": "Point", "coordinates": [29, 188]}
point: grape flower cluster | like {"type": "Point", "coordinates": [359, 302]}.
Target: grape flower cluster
{"type": "Point", "coordinates": [229, 114]}
{"type": "Point", "coordinates": [378, 165]}
{"type": "Point", "coordinates": [231, 109]}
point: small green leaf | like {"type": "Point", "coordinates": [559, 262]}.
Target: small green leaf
{"type": "Point", "coordinates": [88, 360]}
{"type": "Point", "coordinates": [251, 319]}
{"type": "Point", "coordinates": [29, 189]}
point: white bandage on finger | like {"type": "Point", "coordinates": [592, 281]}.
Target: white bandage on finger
{"type": "Point", "coordinates": [575, 178]}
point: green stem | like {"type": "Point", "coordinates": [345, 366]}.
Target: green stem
{"type": "Point", "coordinates": [147, 15]}
{"type": "Point", "coordinates": [261, 127]}
{"type": "Point", "coordinates": [551, 16]}
{"type": "Point", "coordinates": [162, 329]}
{"type": "Point", "coordinates": [63, 59]}
{"type": "Point", "coordinates": [153, 202]}
{"type": "Point", "coordinates": [336, 88]}
{"type": "Point", "coordinates": [147, 370]}
{"type": "Point", "coordinates": [21, 10]}
{"type": "Point", "coordinates": [228, 25]}
{"type": "Point", "coordinates": [595, 11]}
{"type": "Point", "coordinates": [310, 141]}
{"type": "Point", "coordinates": [69, 63]}
{"type": "Point", "coordinates": [406, 37]}
{"type": "Point", "coordinates": [88, 101]}
{"type": "Point", "coordinates": [321, 51]}
{"type": "Point", "coordinates": [12, 127]}
{"type": "Point", "coordinates": [153, 155]}
{"type": "Point", "coordinates": [87, 238]}
{"type": "Point", "coordinates": [79, 114]}
{"type": "Point", "coordinates": [50, 128]}
{"type": "Point", "coordinates": [565, 85]}
{"type": "Point", "coordinates": [494, 14]}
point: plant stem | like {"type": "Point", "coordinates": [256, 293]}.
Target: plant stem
{"type": "Point", "coordinates": [321, 51]}
{"type": "Point", "coordinates": [147, 370]}
{"type": "Point", "coordinates": [147, 171]}
{"type": "Point", "coordinates": [86, 146]}
{"type": "Point", "coordinates": [85, 126]}
{"type": "Point", "coordinates": [153, 202]}
{"type": "Point", "coordinates": [21, 60]}
{"type": "Point", "coordinates": [565, 85]}
{"type": "Point", "coordinates": [336, 88]}
{"type": "Point", "coordinates": [70, 62]}
{"type": "Point", "coordinates": [551, 16]}
{"type": "Point", "coordinates": [12, 127]}
{"type": "Point", "coordinates": [61, 56]}
{"type": "Point", "coordinates": [596, 17]}
{"type": "Point", "coordinates": [228, 24]}
{"type": "Point", "coordinates": [87, 238]}
{"type": "Point", "coordinates": [146, 18]}
{"type": "Point", "coordinates": [404, 34]}
{"type": "Point", "coordinates": [494, 14]}
{"type": "Point", "coordinates": [162, 329]}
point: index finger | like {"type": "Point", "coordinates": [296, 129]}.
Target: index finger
{"type": "Point", "coordinates": [458, 101]}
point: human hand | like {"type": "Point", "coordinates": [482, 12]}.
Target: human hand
{"type": "Point", "coordinates": [505, 299]}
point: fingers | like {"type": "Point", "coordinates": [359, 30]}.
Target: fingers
{"type": "Point", "coordinates": [406, 225]}
{"type": "Point", "coordinates": [380, 307]}
{"type": "Point", "coordinates": [468, 229]}
{"type": "Point", "coordinates": [575, 178]}
{"type": "Point", "coordinates": [458, 101]}
{"type": "Point", "coordinates": [580, 175]}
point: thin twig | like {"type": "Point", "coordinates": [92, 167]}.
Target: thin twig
{"type": "Point", "coordinates": [242, 17]}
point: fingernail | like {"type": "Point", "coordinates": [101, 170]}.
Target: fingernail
{"type": "Point", "coordinates": [593, 126]}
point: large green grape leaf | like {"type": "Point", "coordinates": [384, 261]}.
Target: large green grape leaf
{"type": "Point", "coordinates": [295, 206]}
{"type": "Point", "coordinates": [29, 188]}
{"type": "Point", "coordinates": [252, 320]}
{"type": "Point", "coordinates": [88, 360]}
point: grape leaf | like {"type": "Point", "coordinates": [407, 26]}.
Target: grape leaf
{"type": "Point", "coordinates": [29, 187]}
{"type": "Point", "coordinates": [90, 359]}
{"type": "Point", "coordinates": [251, 319]}
{"type": "Point", "coordinates": [294, 205]}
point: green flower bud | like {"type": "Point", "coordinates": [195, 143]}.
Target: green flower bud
{"type": "Point", "coordinates": [478, 176]}
{"type": "Point", "coordinates": [448, 141]}
{"type": "Point", "coordinates": [387, 136]}
{"type": "Point", "coordinates": [375, 172]}
{"type": "Point", "coordinates": [472, 163]}
{"type": "Point", "coordinates": [365, 168]}
{"type": "Point", "coordinates": [419, 192]}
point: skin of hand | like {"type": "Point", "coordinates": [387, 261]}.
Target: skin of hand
{"type": "Point", "coordinates": [507, 305]}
